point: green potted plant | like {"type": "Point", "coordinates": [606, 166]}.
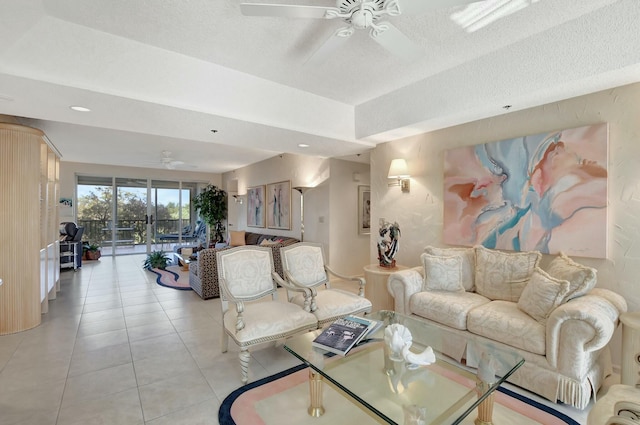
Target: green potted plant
{"type": "Point", "coordinates": [155, 260]}
{"type": "Point", "coordinates": [91, 251]}
{"type": "Point", "coordinates": [211, 203]}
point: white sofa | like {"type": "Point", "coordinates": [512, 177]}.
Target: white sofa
{"type": "Point", "coordinates": [555, 319]}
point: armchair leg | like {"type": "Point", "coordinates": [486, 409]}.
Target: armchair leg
{"type": "Point", "coordinates": [244, 364]}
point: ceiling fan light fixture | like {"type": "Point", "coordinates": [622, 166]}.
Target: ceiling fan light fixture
{"type": "Point", "coordinates": [79, 108]}
{"type": "Point", "coordinates": [480, 14]}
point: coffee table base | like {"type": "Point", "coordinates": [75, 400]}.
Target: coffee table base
{"type": "Point", "coordinates": [315, 394]}
{"type": "Point", "coordinates": [485, 408]}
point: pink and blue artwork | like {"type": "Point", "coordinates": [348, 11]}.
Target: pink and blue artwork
{"type": "Point", "coordinates": [545, 192]}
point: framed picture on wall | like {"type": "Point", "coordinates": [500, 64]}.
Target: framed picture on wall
{"type": "Point", "coordinates": [278, 211]}
{"type": "Point", "coordinates": [364, 210]}
{"type": "Point", "coordinates": [255, 206]}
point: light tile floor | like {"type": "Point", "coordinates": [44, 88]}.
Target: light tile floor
{"type": "Point", "coordinates": [116, 348]}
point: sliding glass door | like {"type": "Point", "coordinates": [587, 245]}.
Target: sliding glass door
{"type": "Point", "coordinates": [175, 221]}
{"type": "Point", "coordinates": [126, 216]}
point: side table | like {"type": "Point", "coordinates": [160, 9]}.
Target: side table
{"type": "Point", "coordinates": [376, 288]}
{"type": "Point", "coordinates": [630, 373]}
{"type": "Point", "coordinates": [604, 408]}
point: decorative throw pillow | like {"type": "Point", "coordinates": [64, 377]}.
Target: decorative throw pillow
{"type": "Point", "coordinates": [237, 238]}
{"type": "Point", "coordinates": [542, 295]}
{"type": "Point", "coordinates": [582, 279]}
{"type": "Point", "coordinates": [268, 242]}
{"type": "Point", "coordinates": [503, 275]}
{"type": "Point", "coordinates": [442, 273]}
{"type": "Point", "coordinates": [468, 262]}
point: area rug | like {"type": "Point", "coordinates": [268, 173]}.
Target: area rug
{"type": "Point", "coordinates": [284, 397]}
{"type": "Point", "coordinates": [172, 277]}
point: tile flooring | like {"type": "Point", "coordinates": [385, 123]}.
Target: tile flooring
{"type": "Point", "coordinates": [115, 348]}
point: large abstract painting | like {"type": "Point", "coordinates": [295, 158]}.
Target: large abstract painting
{"type": "Point", "coordinates": [546, 192]}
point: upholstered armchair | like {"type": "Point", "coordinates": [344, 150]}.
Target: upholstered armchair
{"type": "Point", "coordinates": [246, 274]}
{"type": "Point", "coordinates": [305, 267]}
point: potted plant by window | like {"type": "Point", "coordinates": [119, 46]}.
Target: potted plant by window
{"type": "Point", "coordinates": [156, 260]}
{"type": "Point", "coordinates": [211, 203]}
{"type": "Point", "coordinates": [91, 251]}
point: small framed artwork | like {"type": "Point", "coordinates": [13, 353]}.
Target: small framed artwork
{"type": "Point", "coordinates": [66, 206]}
{"type": "Point", "coordinates": [278, 211]}
{"type": "Point", "coordinates": [364, 210]}
{"type": "Point", "coordinates": [255, 206]}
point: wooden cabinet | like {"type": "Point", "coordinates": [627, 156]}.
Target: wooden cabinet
{"type": "Point", "coordinates": [28, 213]}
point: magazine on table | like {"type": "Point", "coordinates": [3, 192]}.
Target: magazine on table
{"type": "Point", "coordinates": [344, 333]}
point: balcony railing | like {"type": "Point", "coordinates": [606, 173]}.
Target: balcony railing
{"type": "Point", "coordinates": [132, 231]}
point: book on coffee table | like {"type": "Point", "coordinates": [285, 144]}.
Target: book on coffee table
{"type": "Point", "coordinates": [343, 334]}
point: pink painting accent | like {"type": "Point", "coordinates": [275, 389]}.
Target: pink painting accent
{"type": "Point", "coordinates": [545, 192]}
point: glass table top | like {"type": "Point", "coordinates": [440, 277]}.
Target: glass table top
{"type": "Point", "coordinates": [444, 392]}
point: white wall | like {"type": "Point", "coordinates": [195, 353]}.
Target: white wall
{"type": "Point", "coordinates": [349, 251]}
{"type": "Point", "coordinates": [69, 170]}
{"type": "Point", "coordinates": [419, 213]}
{"type": "Point", "coordinates": [329, 208]}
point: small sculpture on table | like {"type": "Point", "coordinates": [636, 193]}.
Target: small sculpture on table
{"type": "Point", "coordinates": [399, 340]}
{"type": "Point", "coordinates": [388, 243]}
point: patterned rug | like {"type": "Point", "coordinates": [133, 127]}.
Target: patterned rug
{"type": "Point", "coordinates": [284, 398]}
{"type": "Point", "coordinates": [172, 277]}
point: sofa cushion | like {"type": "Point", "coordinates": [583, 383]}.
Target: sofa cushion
{"type": "Point", "coordinates": [582, 279]}
{"type": "Point", "coordinates": [447, 308]}
{"type": "Point", "coordinates": [252, 238]}
{"type": "Point", "coordinates": [503, 321]}
{"type": "Point", "coordinates": [237, 238]}
{"type": "Point", "coordinates": [503, 275]}
{"type": "Point", "coordinates": [542, 294]}
{"type": "Point", "coordinates": [442, 273]}
{"type": "Point", "coordinates": [468, 262]}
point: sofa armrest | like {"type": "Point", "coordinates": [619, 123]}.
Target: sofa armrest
{"type": "Point", "coordinates": [402, 285]}
{"type": "Point", "coordinates": [579, 328]}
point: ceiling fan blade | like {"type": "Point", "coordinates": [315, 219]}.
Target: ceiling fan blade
{"type": "Point", "coordinates": [396, 42]}
{"type": "Point", "coordinates": [336, 40]}
{"type": "Point", "coordinates": [416, 7]}
{"type": "Point", "coordinates": [286, 10]}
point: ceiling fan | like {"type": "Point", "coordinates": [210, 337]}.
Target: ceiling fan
{"type": "Point", "coordinates": [168, 162]}
{"type": "Point", "coordinates": [359, 15]}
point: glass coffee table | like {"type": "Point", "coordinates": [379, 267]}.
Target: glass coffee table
{"type": "Point", "coordinates": [395, 392]}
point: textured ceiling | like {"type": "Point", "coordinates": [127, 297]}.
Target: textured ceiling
{"type": "Point", "coordinates": [159, 75]}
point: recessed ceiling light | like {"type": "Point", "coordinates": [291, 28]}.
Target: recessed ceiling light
{"type": "Point", "coordinates": [303, 145]}
{"type": "Point", "coordinates": [6, 98]}
{"type": "Point", "coordinates": [80, 108]}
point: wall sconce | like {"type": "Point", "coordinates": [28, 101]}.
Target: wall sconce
{"type": "Point", "coordinates": [237, 199]}
{"type": "Point", "coordinates": [398, 170]}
